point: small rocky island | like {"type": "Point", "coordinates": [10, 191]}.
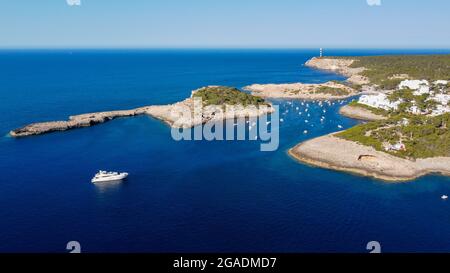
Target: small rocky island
{"type": "Point", "coordinates": [356, 83]}
{"type": "Point", "coordinates": [214, 100]}
{"type": "Point", "coordinates": [325, 91]}
{"type": "Point", "coordinates": [408, 112]}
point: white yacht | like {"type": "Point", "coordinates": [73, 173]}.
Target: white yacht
{"type": "Point", "coordinates": [103, 176]}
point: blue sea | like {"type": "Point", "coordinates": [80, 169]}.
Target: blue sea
{"type": "Point", "coordinates": [188, 196]}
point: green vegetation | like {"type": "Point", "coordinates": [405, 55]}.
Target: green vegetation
{"type": "Point", "coordinates": [423, 136]}
{"type": "Point", "coordinates": [377, 111]}
{"type": "Point", "coordinates": [221, 95]}
{"type": "Point", "coordinates": [358, 132]}
{"type": "Point", "coordinates": [381, 70]}
{"type": "Point", "coordinates": [404, 94]}
{"type": "Point", "coordinates": [332, 91]}
{"type": "Point", "coordinates": [447, 89]}
{"type": "Point", "coordinates": [356, 86]}
{"type": "Point", "coordinates": [409, 99]}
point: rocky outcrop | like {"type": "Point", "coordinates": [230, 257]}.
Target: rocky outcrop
{"type": "Point", "coordinates": [311, 91]}
{"type": "Point", "coordinates": [184, 114]}
{"type": "Point", "coordinates": [340, 66]}
{"type": "Point", "coordinates": [84, 120]}
{"type": "Point", "coordinates": [360, 113]}
{"type": "Point", "coordinates": [189, 113]}
{"type": "Point", "coordinates": [338, 154]}
{"type": "Point", "coordinates": [301, 91]}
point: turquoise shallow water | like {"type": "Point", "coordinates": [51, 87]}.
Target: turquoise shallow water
{"type": "Point", "coordinates": [188, 196]}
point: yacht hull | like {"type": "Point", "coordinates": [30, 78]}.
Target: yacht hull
{"type": "Point", "coordinates": [118, 177]}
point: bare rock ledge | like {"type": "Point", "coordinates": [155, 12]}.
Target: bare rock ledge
{"type": "Point", "coordinates": [299, 91]}
{"type": "Point", "coordinates": [171, 114]}
{"type": "Point", "coordinates": [340, 66]}
{"type": "Point", "coordinates": [359, 113]}
{"type": "Point", "coordinates": [338, 154]}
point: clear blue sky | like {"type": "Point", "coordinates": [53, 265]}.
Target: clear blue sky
{"type": "Point", "coordinates": [225, 23]}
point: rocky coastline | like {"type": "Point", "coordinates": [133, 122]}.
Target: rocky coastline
{"type": "Point", "coordinates": [340, 66]}
{"type": "Point", "coordinates": [334, 153]}
{"type": "Point", "coordinates": [324, 91]}
{"type": "Point", "coordinates": [178, 115]}
{"type": "Point", "coordinates": [359, 113]}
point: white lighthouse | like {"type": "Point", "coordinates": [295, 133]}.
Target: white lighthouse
{"type": "Point", "coordinates": [321, 52]}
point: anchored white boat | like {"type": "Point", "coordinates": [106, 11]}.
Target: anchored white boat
{"type": "Point", "coordinates": [103, 176]}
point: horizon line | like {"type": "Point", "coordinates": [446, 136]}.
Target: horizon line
{"type": "Point", "coordinates": [216, 48]}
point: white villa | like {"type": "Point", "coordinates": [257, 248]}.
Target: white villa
{"type": "Point", "coordinates": [396, 147]}
{"type": "Point", "coordinates": [440, 82]}
{"type": "Point", "coordinates": [443, 99]}
{"type": "Point", "coordinates": [440, 110]}
{"type": "Point", "coordinates": [415, 110]}
{"type": "Point", "coordinates": [379, 100]}
{"type": "Point", "coordinates": [443, 106]}
{"type": "Point", "coordinates": [436, 92]}
{"type": "Point", "coordinates": [420, 86]}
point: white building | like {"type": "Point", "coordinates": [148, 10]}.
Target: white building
{"type": "Point", "coordinates": [419, 86]}
{"type": "Point", "coordinates": [443, 99]}
{"type": "Point", "coordinates": [440, 82]}
{"type": "Point", "coordinates": [440, 110]}
{"type": "Point", "coordinates": [415, 110]}
{"type": "Point", "coordinates": [436, 93]}
{"type": "Point", "coordinates": [379, 101]}
{"type": "Point", "coordinates": [443, 106]}
{"type": "Point", "coordinates": [396, 147]}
